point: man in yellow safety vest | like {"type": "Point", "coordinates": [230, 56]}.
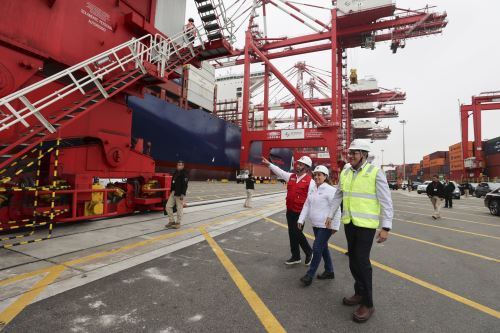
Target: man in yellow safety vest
{"type": "Point", "coordinates": [366, 202]}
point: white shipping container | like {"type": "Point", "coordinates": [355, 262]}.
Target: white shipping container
{"type": "Point", "coordinates": [362, 124]}
{"type": "Point", "coordinates": [364, 84]}
{"type": "Point", "coordinates": [203, 91]}
{"type": "Point", "coordinates": [346, 7]}
{"type": "Point", "coordinates": [201, 101]}
{"type": "Point", "coordinates": [194, 77]}
{"type": "Point", "coordinates": [206, 71]}
{"type": "Point", "coordinates": [362, 106]}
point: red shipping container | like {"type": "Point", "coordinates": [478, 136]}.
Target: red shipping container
{"type": "Point", "coordinates": [438, 154]}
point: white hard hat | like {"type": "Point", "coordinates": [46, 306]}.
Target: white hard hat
{"type": "Point", "coordinates": [306, 160]}
{"type": "Point", "coordinates": [358, 144]}
{"type": "Point", "coordinates": [322, 169]}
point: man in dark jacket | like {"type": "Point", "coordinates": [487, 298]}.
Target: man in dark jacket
{"type": "Point", "coordinates": [178, 191]}
{"type": "Point", "coordinates": [250, 188]}
{"type": "Point", "coordinates": [449, 187]}
{"type": "Point", "coordinates": [435, 191]}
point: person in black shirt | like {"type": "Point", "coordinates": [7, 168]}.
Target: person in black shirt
{"type": "Point", "coordinates": [177, 194]}
{"type": "Point", "coordinates": [449, 187]}
{"type": "Point", "coordinates": [250, 187]}
{"type": "Point", "coordinates": [435, 191]}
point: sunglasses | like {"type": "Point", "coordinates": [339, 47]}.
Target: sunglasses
{"type": "Point", "coordinates": [352, 153]}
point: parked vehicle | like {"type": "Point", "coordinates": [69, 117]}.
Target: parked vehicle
{"type": "Point", "coordinates": [422, 188]}
{"type": "Point", "coordinates": [492, 202]}
{"type": "Point", "coordinates": [393, 185]}
{"type": "Point", "coordinates": [242, 176]}
{"type": "Point", "coordinates": [472, 188]}
{"type": "Point", "coordinates": [456, 192]}
{"type": "Point", "coordinates": [415, 184]}
{"type": "Point", "coordinates": [483, 188]}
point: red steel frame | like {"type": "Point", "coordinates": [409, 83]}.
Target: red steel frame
{"type": "Point", "coordinates": [105, 127]}
{"type": "Point", "coordinates": [479, 103]}
{"type": "Point", "coordinates": [344, 32]}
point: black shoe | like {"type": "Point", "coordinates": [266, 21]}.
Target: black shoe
{"type": "Point", "coordinates": [308, 260]}
{"type": "Point", "coordinates": [326, 276]}
{"type": "Point", "coordinates": [292, 261]}
{"type": "Point", "coordinates": [306, 280]}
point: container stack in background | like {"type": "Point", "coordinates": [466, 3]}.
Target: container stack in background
{"type": "Point", "coordinates": [439, 164]}
{"type": "Point", "coordinates": [457, 160]}
{"type": "Point", "coordinates": [426, 166]}
{"type": "Point", "coordinates": [491, 149]}
{"type": "Point", "coordinates": [450, 164]}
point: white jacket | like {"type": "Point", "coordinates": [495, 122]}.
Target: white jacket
{"type": "Point", "coordinates": [317, 207]}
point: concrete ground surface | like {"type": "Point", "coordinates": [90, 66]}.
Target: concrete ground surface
{"type": "Point", "coordinates": [204, 191]}
{"type": "Point", "coordinates": [223, 271]}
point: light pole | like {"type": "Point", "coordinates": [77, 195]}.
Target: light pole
{"type": "Point", "coordinates": [403, 122]}
{"type": "Point", "coordinates": [382, 151]}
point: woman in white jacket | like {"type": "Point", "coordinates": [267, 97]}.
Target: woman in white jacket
{"type": "Point", "coordinates": [316, 210]}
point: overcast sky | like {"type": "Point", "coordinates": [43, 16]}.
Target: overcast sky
{"type": "Point", "coordinates": [435, 72]}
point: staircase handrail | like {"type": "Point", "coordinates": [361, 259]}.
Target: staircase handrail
{"type": "Point", "coordinates": [156, 49]}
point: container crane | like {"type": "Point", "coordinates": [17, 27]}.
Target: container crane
{"type": "Point", "coordinates": [473, 165]}
{"type": "Point", "coordinates": [345, 30]}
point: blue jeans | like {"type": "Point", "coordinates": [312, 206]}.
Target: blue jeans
{"type": "Point", "coordinates": [320, 249]}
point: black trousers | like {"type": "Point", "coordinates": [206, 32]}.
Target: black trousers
{"type": "Point", "coordinates": [448, 201]}
{"type": "Point", "coordinates": [359, 245]}
{"type": "Point", "coordinates": [296, 236]}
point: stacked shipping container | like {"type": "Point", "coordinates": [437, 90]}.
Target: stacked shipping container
{"type": "Point", "coordinates": [390, 175]}
{"type": "Point", "coordinates": [491, 149]}
{"type": "Point", "coordinates": [426, 165]}
{"type": "Point", "coordinates": [457, 160]}
{"type": "Point", "coordinates": [451, 163]}
{"type": "Point", "coordinates": [438, 163]}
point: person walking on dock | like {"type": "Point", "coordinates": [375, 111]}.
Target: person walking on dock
{"type": "Point", "coordinates": [177, 194]}
{"type": "Point", "coordinates": [435, 192]}
{"type": "Point", "coordinates": [299, 185]}
{"type": "Point", "coordinates": [316, 209]}
{"type": "Point", "coordinates": [449, 187]}
{"type": "Point", "coordinates": [250, 188]}
{"type": "Point", "coordinates": [366, 203]}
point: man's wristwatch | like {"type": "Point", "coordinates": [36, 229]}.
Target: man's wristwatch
{"type": "Point", "coordinates": [386, 229]}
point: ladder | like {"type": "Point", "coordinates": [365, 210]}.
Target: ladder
{"type": "Point", "coordinates": [88, 84]}
{"type": "Point", "coordinates": [215, 21]}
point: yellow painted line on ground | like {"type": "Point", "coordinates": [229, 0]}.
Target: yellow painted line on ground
{"type": "Point", "coordinates": [15, 308]}
{"type": "Point", "coordinates": [268, 320]}
{"type": "Point", "coordinates": [54, 271]}
{"type": "Point", "coordinates": [450, 218]}
{"type": "Point", "coordinates": [422, 283]}
{"type": "Point", "coordinates": [445, 228]}
{"type": "Point", "coordinates": [98, 255]}
{"type": "Point", "coordinates": [446, 247]}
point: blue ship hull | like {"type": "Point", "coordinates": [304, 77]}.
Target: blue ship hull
{"type": "Point", "coordinates": [208, 145]}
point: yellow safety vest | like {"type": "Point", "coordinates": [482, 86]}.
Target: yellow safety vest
{"type": "Point", "coordinates": [360, 203]}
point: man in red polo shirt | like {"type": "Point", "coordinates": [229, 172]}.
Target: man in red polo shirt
{"type": "Point", "coordinates": [299, 185]}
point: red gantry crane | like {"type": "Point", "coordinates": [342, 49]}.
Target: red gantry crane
{"type": "Point", "coordinates": [349, 27]}
{"type": "Point", "coordinates": [474, 165]}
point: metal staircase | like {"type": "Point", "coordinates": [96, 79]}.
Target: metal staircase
{"type": "Point", "coordinates": [88, 84]}
{"type": "Point", "coordinates": [215, 21]}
